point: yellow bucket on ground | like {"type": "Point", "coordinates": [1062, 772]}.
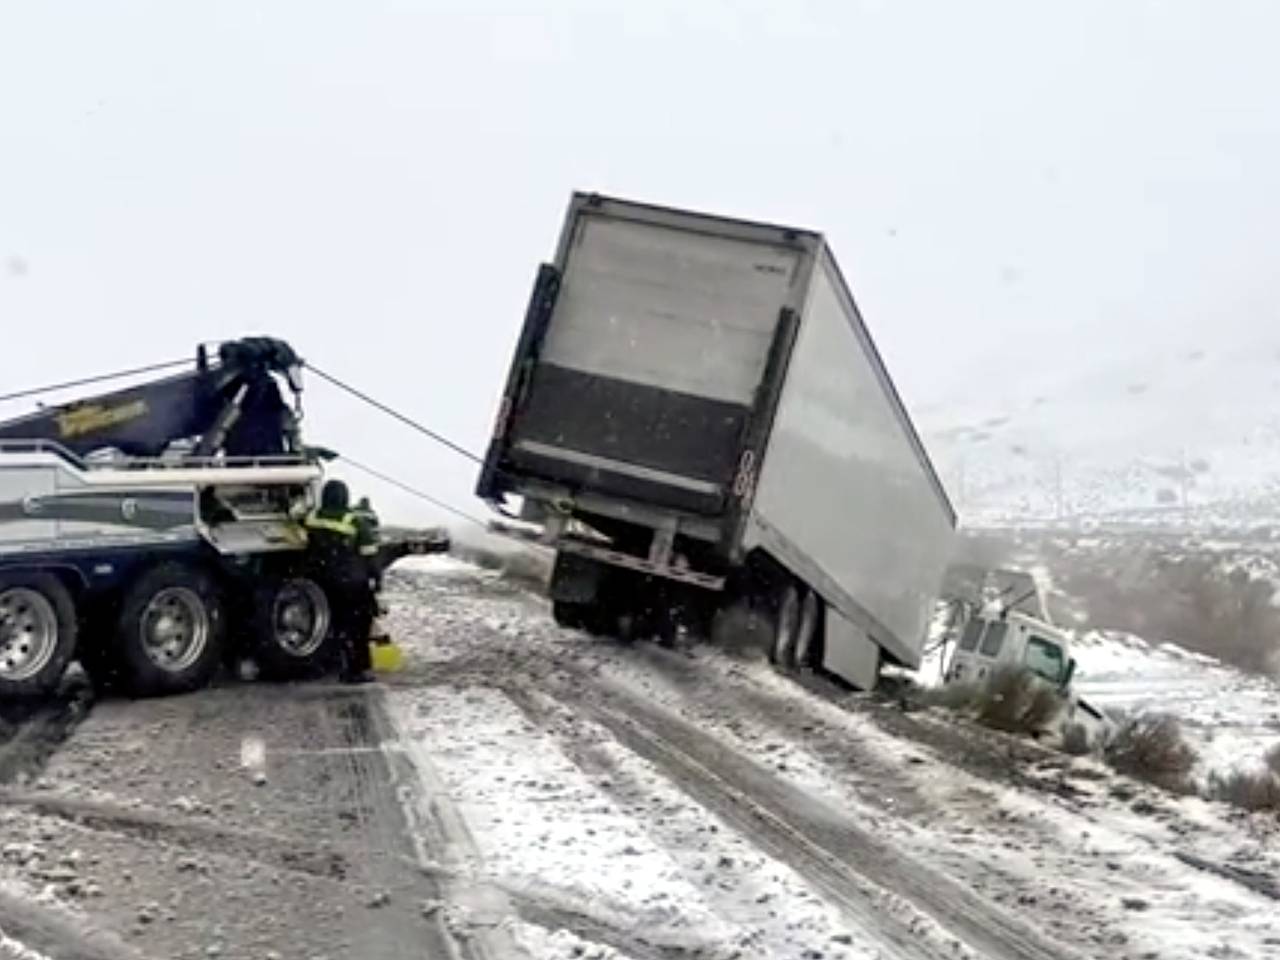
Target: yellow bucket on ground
{"type": "Point", "coordinates": [386, 656]}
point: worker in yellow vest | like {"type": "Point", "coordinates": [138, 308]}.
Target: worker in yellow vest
{"type": "Point", "coordinates": [341, 550]}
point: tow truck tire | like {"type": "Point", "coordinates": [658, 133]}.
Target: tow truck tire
{"type": "Point", "coordinates": [292, 624]}
{"type": "Point", "coordinates": [171, 631]}
{"type": "Point", "coordinates": [37, 633]}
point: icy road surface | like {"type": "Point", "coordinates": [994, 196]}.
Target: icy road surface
{"type": "Point", "coordinates": [523, 791]}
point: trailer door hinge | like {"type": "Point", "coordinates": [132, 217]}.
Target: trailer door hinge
{"type": "Point", "coordinates": [745, 479]}
{"type": "Point", "coordinates": [660, 549]}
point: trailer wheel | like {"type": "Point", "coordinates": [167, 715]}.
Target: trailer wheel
{"type": "Point", "coordinates": [786, 626]}
{"type": "Point", "coordinates": [629, 625]}
{"type": "Point", "coordinates": [292, 623]}
{"type": "Point", "coordinates": [666, 629]}
{"type": "Point", "coordinates": [170, 631]}
{"type": "Point", "coordinates": [569, 614]}
{"type": "Point", "coordinates": [589, 617]}
{"type": "Point", "coordinates": [37, 633]}
{"type": "Point", "coordinates": [808, 651]}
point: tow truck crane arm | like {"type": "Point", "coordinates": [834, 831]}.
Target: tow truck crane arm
{"type": "Point", "coordinates": [230, 404]}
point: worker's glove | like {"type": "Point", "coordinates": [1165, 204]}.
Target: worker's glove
{"type": "Point", "coordinates": [319, 453]}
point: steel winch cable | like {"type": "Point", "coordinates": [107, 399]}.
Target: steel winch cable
{"type": "Point", "coordinates": [408, 421]}
{"type": "Point", "coordinates": [100, 378]}
{"type": "Point", "coordinates": [413, 491]}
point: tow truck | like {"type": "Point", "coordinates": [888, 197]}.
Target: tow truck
{"type": "Point", "coordinates": [153, 532]}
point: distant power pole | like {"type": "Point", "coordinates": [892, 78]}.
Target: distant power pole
{"type": "Point", "coordinates": [1184, 481]}
{"type": "Point", "coordinates": [1057, 487]}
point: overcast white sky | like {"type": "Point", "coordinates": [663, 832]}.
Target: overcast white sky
{"type": "Point", "coordinates": [1067, 187]}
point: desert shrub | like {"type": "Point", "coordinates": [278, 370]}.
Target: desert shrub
{"type": "Point", "coordinates": [1249, 789]}
{"type": "Point", "coordinates": [1272, 759]}
{"type": "Point", "coordinates": [1011, 699]}
{"type": "Point", "coordinates": [1151, 747]}
{"type": "Point", "coordinates": [1014, 699]}
{"type": "Point", "coordinates": [953, 696]}
{"type": "Point", "coordinates": [1196, 600]}
{"type": "Point", "coordinates": [1075, 740]}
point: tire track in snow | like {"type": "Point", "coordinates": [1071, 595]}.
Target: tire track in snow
{"type": "Point", "coordinates": [483, 903]}
{"type": "Point", "coordinates": [30, 733]}
{"type": "Point", "coordinates": [34, 931]}
{"type": "Point", "coordinates": [693, 838]}
{"type": "Point", "coordinates": [842, 886]}
{"type": "Point", "coordinates": [821, 844]}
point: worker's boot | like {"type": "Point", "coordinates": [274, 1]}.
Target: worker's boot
{"type": "Point", "coordinates": [356, 668]}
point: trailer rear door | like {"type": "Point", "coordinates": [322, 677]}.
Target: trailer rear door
{"type": "Point", "coordinates": [647, 373]}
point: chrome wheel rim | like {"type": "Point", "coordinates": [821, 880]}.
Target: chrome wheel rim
{"type": "Point", "coordinates": [175, 629]}
{"type": "Point", "coordinates": [28, 633]}
{"type": "Point", "coordinates": [300, 618]}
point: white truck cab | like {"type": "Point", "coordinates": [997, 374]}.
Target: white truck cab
{"type": "Point", "coordinates": [1013, 639]}
{"type": "Point", "coordinates": [991, 632]}
{"type": "Point", "coordinates": [993, 639]}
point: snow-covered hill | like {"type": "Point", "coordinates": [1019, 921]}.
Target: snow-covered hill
{"type": "Point", "coordinates": [1181, 426]}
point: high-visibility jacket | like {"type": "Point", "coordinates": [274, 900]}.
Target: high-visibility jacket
{"type": "Point", "coordinates": [339, 544]}
{"type": "Point", "coordinates": [367, 529]}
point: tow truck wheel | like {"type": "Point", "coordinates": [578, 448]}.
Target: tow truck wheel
{"type": "Point", "coordinates": [786, 626]}
{"type": "Point", "coordinates": [170, 631]}
{"type": "Point", "coordinates": [37, 633]}
{"type": "Point", "coordinates": [293, 629]}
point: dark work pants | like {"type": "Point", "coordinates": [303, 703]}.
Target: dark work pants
{"type": "Point", "coordinates": [353, 610]}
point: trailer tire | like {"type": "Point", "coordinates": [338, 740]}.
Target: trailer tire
{"type": "Point", "coordinates": [292, 629]}
{"type": "Point", "coordinates": [591, 618]}
{"type": "Point", "coordinates": [786, 625]}
{"type": "Point", "coordinates": [170, 631]}
{"type": "Point", "coordinates": [37, 633]}
{"type": "Point", "coordinates": [808, 649]}
{"type": "Point", "coordinates": [629, 625]}
{"type": "Point", "coordinates": [666, 629]}
{"type": "Point", "coordinates": [570, 614]}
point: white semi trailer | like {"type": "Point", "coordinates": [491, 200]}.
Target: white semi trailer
{"type": "Point", "coordinates": [697, 420]}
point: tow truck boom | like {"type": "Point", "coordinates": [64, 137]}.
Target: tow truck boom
{"type": "Point", "coordinates": [228, 405]}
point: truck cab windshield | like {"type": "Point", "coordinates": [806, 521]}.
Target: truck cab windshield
{"type": "Point", "coordinates": [1045, 658]}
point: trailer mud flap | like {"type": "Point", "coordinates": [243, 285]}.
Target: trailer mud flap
{"type": "Point", "coordinates": [575, 579]}
{"type": "Point", "coordinates": [849, 652]}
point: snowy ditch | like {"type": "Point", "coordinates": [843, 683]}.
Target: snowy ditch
{"type": "Point", "coordinates": [598, 824]}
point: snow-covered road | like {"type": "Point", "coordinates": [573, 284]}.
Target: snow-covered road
{"type": "Point", "coordinates": [521, 790]}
